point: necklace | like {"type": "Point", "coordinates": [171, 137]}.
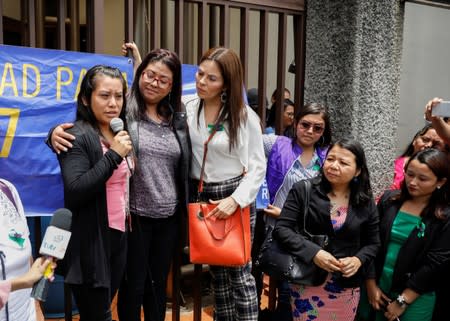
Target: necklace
{"type": "Point", "coordinates": [337, 203]}
{"type": "Point", "coordinates": [335, 209]}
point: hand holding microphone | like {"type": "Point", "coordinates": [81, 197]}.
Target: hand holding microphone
{"type": "Point", "coordinates": [122, 141]}
{"type": "Point", "coordinates": [54, 246]}
{"type": "Point", "coordinates": [33, 275]}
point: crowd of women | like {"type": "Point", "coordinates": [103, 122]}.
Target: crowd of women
{"type": "Point", "coordinates": [128, 190]}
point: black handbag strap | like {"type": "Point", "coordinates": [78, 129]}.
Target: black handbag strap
{"type": "Point", "coordinates": [306, 205]}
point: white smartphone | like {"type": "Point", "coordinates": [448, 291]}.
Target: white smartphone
{"type": "Point", "coordinates": [442, 109]}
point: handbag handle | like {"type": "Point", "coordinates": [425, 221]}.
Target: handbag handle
{"type": "Point", "coordinates": [227, 227]}
{"type": "Point", "coordinates": [323, 238]}
{"type": "Point", "coordinates": [306, 205]}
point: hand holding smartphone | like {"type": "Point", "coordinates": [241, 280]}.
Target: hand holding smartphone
{"type": "Point", "coordinates": [442, 109]}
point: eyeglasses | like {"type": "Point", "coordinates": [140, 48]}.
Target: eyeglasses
{"type": "Point", "coordinates": [149, 76]}
{"type": "Point", "coordinates": [290, 115]}
{"type": "Point", "coordinates": [318, 129]}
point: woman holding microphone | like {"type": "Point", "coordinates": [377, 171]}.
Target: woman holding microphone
{"type": "Point", "coordinates": [95, 177]}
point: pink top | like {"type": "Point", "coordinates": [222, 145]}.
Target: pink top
{"type": "Point", "coordinates": [5, 288]}
{"type": "Point", "coordinates": [117, 195]}
{"type": "Point", "coordinates": [399, 172]}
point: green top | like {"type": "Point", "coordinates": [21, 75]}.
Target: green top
{"type": "Point", "coordinates": [403, 225]}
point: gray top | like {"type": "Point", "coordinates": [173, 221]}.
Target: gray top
{"type": "Point", "coordinates": [153, 188]}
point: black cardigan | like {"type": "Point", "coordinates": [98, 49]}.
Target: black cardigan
{"type": "Point", "coordinates": [358, 236]}
{"type": "Point", "coordinates": [421, 259]}
{"type": "Point", "coordinates": [85, 170]}
{"type": "Point", "coordinates": [97, 270]}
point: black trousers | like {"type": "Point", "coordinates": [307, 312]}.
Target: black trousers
{"type": "Point", "coordinates": [258, 239]}
{"type": "Point", "coordinates": [151, 247]}
{"type": "Point", "coordinates": [94, 303]}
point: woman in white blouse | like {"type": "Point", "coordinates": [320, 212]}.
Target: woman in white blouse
{"type": "Point", "coordinates": [234, 168]}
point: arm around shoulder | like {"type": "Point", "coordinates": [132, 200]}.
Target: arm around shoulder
{"type": "Point", "coordinates": [84, 169]}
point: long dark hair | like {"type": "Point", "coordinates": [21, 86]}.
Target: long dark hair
{"type": "Point", "coordinates": [89, 84]}
{"type": "Point", "coordinates": [234, 111]}
{"type": "Point", "coordinates": [169, 104]}
{"type": "Point", "coordinates": [360, 190]}
{"type": "Point", "coordinates": [437, 162]}
{"type": "Point", "coordinates": [410, 149]}
{"type": "Point", "coordinates": [272, 113]}
{"type": "Point", "coordinates": [315, 109]}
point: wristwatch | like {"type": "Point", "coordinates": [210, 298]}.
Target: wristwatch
{"type": "Point", "coordinates": [401, 301]}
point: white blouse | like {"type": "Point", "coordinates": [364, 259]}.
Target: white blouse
{"type": "Point", "coordinates": [221, 163]}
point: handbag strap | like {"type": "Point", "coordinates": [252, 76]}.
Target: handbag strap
{"type": "Point", "coordinates": [205, 151]}
{"type": "Point", "coordinates": [306, 205]}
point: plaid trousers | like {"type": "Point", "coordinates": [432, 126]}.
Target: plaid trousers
{"type": "Point", "coordinates": [234, 288]}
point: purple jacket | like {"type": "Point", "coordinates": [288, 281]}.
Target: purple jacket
{"type": "Point", "coordinates": [282, 155]}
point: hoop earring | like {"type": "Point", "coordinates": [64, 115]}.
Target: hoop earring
{"type": "Point", "coordinates": [223, 97]}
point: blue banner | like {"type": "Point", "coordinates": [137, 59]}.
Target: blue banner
{"type": "Point", "coordinates": [38, 90]}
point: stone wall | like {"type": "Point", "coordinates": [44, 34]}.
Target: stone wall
{"type": "Point", "coordinates": [353, 52]}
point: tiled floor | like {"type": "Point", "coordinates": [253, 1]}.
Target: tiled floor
{"type": "Point", "coordinates": [186, 312]}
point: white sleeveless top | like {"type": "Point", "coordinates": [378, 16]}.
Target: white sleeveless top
{"type": "Point", "coordinates": [16, 247]}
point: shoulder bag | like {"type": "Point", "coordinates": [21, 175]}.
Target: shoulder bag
{"type": "Point", "coordinates": [224, 242]}
{"type": "Point", "coordinates": [277, 262]}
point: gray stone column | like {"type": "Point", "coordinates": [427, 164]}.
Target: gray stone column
{"type": "Point", "coordinates": [353, 52]}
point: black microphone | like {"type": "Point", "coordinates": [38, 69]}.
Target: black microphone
{"type": "Point", "coordinates": [117, 125]}
{"type": "Point", "coordinates": [54, 246]}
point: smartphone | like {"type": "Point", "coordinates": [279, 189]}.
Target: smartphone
{"type": "Point", "coordinates": [442, 109]}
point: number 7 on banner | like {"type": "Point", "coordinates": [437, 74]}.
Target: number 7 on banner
{"type": "Point", "coordinates": [13, 114]}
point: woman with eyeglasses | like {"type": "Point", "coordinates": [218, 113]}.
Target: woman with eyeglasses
{"type": "Point", "coordinates": [426, 137]}
{"type": "Point", "coordinates": [288, 119]}
{"type": "Point", "coordinates": [158, 189]}
{"type": "Point", "coordinates": [291, 160]}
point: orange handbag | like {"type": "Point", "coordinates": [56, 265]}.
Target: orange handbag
{"type": "Point", "coordinates": [224, 242]}
{"type": "Point", "coordinates": [216, 241]}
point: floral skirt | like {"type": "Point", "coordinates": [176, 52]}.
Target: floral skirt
{"type": "Point", "coordinates": [325, 302]}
